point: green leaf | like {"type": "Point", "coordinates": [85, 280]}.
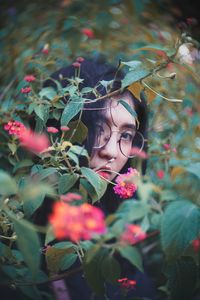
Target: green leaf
{"type": "Point", "coordinates": [180, 225]}
{"type": "Point", "coordinates": [137, 73]}
{"type": "Point", "coordinates": [182, 276]}
{"type": "Point", "coordinates": [42, 111]}
{"type": "Point", "coordinates": [8, 185]}
{"type": "Point", "coordinates": [132, 210]}
{"type": "Point", "coordinates": [64, 245]}
{"type": "Point", "coordinates": [23, 164]}
{"type": "Point", "coordinates": [110, 269]}
{"type": "Point", "coordinates": [67, 261]}
{"type": "Point", "coordinates": [93, 274]}
{"type": "Point", "coordinates": [33, 196]}
{"type": "Point", "coordinates": [67, 181]}
{"type": "Point", "coordinates": [129, 108]}
{"type": "Point", "coordinates": [134, 64]}
{"type": "Point", "coordinates": [12, 147]}
{"type": "Point", "coordinates": [44, 173]}
{"type": "Point", "coordinates": [71, 110]}
{"type": "Point", "coordinates": [94, 179]}
{"type": "Point", "coordinates": [47, 93]}
{"type": "Point", "coordinates": [194, 169]}
{"type": "Point", "coordinates": [28, 243]}
{"type": "Point", "coordinates": [77, 133]}
{"type": "Point", "coordinates": [132, 255]}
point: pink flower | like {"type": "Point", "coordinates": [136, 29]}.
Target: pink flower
{"type": "Point", "coordinates": [160, 174]}
{"type": "Point", "coordinates": [167, 146]}
{"type": "Point", "coordinates": [126, 185]}
{"type": "Point", "coordinates": [126, 283]}
{"type": "Point", "coordinates": [29, 78]}
{"type": "Point", "coordinates": [33, 141]}
{"type": "Point", "coordinates": [77, 222]}
{"type": "Point", "coordinates": [14, 127]}
{"type": "Point", "coordinates": [26, 90]}
{"type": "Point", "coordinates": [45, 49]}
{"type": "Point", "coordinates": [76, 65]}
{"type": "Point", "coordinates": [137, 152]}
{"type": "Point", "coordinates": [88, 32]}
{"type": "Point", "coordinates": [132, 234]}
{"type": "Point", "coordinates": [69, 197]}
{"type": "Point", "coordinates": [80, 59]}
{"type": "Point", "coordinates": [52, 129]}
{"type": "Point", "coordinates": [64, 128]}
{"type": "Point", "coordinates": [196, 245]}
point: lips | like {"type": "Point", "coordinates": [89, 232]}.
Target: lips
{"type": "Point", "coordinates": [104, 172]}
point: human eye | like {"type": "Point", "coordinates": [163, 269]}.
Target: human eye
{"type": "Point", "coordinates": [127, 136]}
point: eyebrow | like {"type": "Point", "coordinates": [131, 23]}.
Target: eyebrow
{"type": "Point", "coordinates": [125, 125]}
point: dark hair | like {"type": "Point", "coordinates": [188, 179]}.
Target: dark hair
{"type": "Point", "coordinates": [92, 72]}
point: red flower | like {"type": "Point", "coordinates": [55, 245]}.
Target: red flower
{"type": "Point", "coordinates": [196, 245]}
{"type": "Point", "coordinates": [77, 222]}
{"type": "Point", "coordinates": [64, 128]}
{"type": "Point", "coordinates": [52, 129]}
{"type": "Point", "coordinates": [126, 184]}
{"type": "Point", "coordinates": [33, 141]}
{"type": "Point", "coordinates": [160, 174]}
{"type": "Point", "coordinates": [88, 32]}
{"type": "Point", "coordinates": [80, 59]}
{"type": "Point", "coordinates": [29, 78]}
{"type": "Point", "coordinates": [132, 234]}
{"type": "Point", "coordinates": [14, 128]}
{"type": "Point", "coordinates": [70, 197]}
{"type": "Point", "coordinates": [139, 153]}
{"type": "Point", "coordinates": [126, 283]}
{"type": "Point", "coordinates": [167, 146]}
{"type": "Point", "coordinates": [45, 49]}
{"type": "Point", "coordinates": [76, 64]}
{"type": "Point", "coordinates": [26, 90]}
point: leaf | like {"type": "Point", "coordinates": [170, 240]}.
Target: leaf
{"type": "Point", "coordinates": [12, 147]}
{"type": "Point", "coordinates": [28, 243]}
{"type": "Point", "coordinates": [42, 111]}
{"type": "Point", "coordinates": [135, 74]}
{"type": "Point", "coordinates": [183, 276]}
{"type": "Point", "coordinates": [194, 169]}
{"type": "Point", "coordinates": [110, 269]}
{"type": "Point", "coordinates": [177, 171]}
{"type": "Point", "coordinates": [23, 164]}
{"type": "Point", "coordinates": [132, 255]}
{"type": "Point", "coordinates": [132, 210]}
{"type": "Point", "coordinates": [94, 179]}
{"type": "Point", "coordinates": [71, 110]}
{"type": "Point", "coordinates": [8, 185]}
{"type": "Point", "coordinates": [67, 181]}
{"type": "Point", "coordinates": [136, 88]}
{"type": "Point", "coordinates": [33, 196]}
{"type": "Point", "coordinates": [128, 108]}
{"type": "Point", "coordinates": [93, 274]}
{"type": "Point", "coordinates": [53, 257]}
{"type": "Point", "coordinates": [46, 172]}
{"type": "Point", "coordinates": [180, 225]}
{"type": "Point", "coordinates": [77, 133]}
{"type": "Point", "coordinates": [134, 64]}
{"type": "Point", "coordinates": [67, 261]}
{"type": "Point", "coordinates": [48, 93]}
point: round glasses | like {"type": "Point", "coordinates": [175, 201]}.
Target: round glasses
{"type": "Point", "coordinates": [129, 139]}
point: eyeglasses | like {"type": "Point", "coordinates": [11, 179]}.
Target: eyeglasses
{"type": "Point", "coordinates": [128, 139]}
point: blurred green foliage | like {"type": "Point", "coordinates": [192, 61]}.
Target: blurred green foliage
{"type": "Point", "coordinates": [169, 203]}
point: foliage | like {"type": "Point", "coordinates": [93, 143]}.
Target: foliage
{"type": "Point", "coordinates": [168, 205]}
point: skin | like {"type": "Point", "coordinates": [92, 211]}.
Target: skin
{"type": "Point", "coordinates": [108, 160]}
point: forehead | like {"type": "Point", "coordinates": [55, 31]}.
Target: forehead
{"type": "Point", "coordinates": [116, 114]}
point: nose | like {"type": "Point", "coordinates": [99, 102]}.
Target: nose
{"type": "Point", "coordinates": [110, 150]}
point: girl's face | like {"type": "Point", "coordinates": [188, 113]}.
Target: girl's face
{"type": "Point", "coordinates": [107, 159]}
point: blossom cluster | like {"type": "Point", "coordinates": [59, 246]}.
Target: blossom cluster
{"type": "Point", "coordinates": [126, 184]}
{"type": "Point", "coordinates": [76, 222]}
{"type": "Point", "coordinates": [29, 139]}
{"type": "Point", "coordinates": [126, 283]}
{"type": "Point", "coordinates": [132, 234]}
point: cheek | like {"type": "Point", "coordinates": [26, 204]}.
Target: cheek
{"type": "Point", "coordinates": [120, 162]}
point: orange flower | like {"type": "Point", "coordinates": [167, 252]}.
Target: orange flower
{"type": "Point", "coordinates": [132, 234]}
{"type": "Point", "coordinates": [76, 222]}
{"type": "Point", "coordinates": [33, 141]}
